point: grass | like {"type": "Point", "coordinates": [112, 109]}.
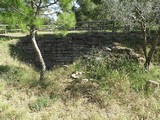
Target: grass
{"type": "Point", "coordinates": [108, 89]}
{"type": "Point", "coordinates": [39, 104]}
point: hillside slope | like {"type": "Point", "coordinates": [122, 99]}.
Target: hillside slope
{"type": "Point", "coordinates": [99, 88]}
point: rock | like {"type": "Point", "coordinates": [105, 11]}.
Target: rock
{"type": "Point", "coordinates": [107, 49]}
{"type": "Point", "coordinates": [65, 66]}
{"type": "Point", "coordinates": [141, 60]}
{"type": "Point", "coordinates": [87, 56]}
{"type": "Point", "coordinates": [76, 75]}
{"type": "Point", "coordinates": [86, 80]}
{"type": "Point", "coordinates": [134, 55]}
{"type": "Point", "coordinates": [98, 58]}
{"type": "Point", "coordinates": [116, 44]}
{"type": "Point", "coordinates": [152, 86]}
{"type": "Point", "coordinates": [121, 49]}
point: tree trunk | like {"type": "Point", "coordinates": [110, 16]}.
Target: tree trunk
{"type": "Point", "coordinates": [43, 66]}
{"type": "Point", "coordinates": [144, 46]}
{"type": "Point", "coordinates": [150, 54]}
{"type": "Point", "coordinates": [147, 63]}
{"type": "Point", "coordinates": [152, 50]}
{"type": "Point", "coordinates": [144, 41]}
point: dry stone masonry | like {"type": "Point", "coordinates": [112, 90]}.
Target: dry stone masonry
{"type": "Point", "coordinates": [64, 50]}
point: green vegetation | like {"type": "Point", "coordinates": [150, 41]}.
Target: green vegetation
{"type": "Point", "coordinates": [100, 84]}
{"type": "Point", "coordinates": [40, 103]}
{"type": "Point", "coordinates": [111, 86]}
{"type": "Point", "coordinates": [108, 71]}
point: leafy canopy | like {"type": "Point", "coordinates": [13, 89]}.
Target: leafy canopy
{"type": "Point", "coordinates": [23, 13]}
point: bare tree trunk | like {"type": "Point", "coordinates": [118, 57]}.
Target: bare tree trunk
{"type": "Point", "coordinates": [36, 10]}
{"type": "Point", "coordinates": [152, 50]}
{"type": "Point", "coordinates": [147, 63]}
{"type": "Point", "coordinates": [144, 46]}
{"type": "Point", "coordinates": [43, 66]}
{"type": "Point", "coordinates": [144, 41]}
{"type": "Point", "coordinates": [150, 54]}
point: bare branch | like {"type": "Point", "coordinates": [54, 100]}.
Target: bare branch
{"type": "Point", "coordinates": [140, 14]}
{"type": "Point", "coordinates": [40, 2]}
{"type": "Point", "coordinates": [38, 7]}
{"type": "Point", "coordinates": [34, 3]}
{"type": "Point", "coordinates": [55, 2]}
{"type": "Point", "coordinates": [52, 13]}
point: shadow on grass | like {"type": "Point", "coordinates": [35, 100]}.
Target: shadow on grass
{"type": "Point", "coordinates": [4, 69]}
{"type": "Point", "coordinates": [85, 89]}
{"type": "Point", "coordinates": [8, 38]}
{"type": "Point", "coordinates": [10, 73]}
{"type": "Point", "coordinates": [59, 51]}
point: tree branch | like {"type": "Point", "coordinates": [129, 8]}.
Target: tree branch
{"type": "Point", "coordinates": [18, 11]}
{"type": "Point", "coordinates": [35, 3]}
{"type": "Point", "coordinates": [139, 14]}
{"type": "Point", "coordinates": [55, 2]}
{"type": "Point", "coordinates": [38, 7]}
{"type": "Point", "coordinates": [52, 13]}
{"type": "Point", "coordinates": [11, 7]}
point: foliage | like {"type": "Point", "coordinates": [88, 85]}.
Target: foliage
{"type": "Point", "coordinates": [13, 18]}
{"type": "Point", "coordinates": [39, 104]}
{"type": "Point", "coordinates": [126, 12]}
{"type": "Point", "coordinates": [15, 74]}
{"type": "Point", "coordinates": [63, 21]}
{"type": "Point", "coordinates": [117, 92]}
{"type": "Point", "coordinates": [66, 5]}
{"type": "Point", "coordinates": [108, 71]}
{"type": "Point", "coordinates": [61, 33]}
{"type": "Point", "coordinates": [30, 13]}
{"type": "Point", "coordinates": [18, 13]}
{"type": "Point", "coordinates": [140, 15]}
{"type": "Point", "coordinates": [89, 10]}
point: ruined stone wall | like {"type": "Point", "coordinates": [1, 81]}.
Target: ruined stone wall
{"type": "Point", "coordinates": [64, 50]}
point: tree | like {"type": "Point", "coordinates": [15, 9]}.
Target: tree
{"type": "Point", "coordinates": [142, 14]}
{"type": "Point", "coordinates": [89, 10]}
{"type": "Point", "coordinates": [28, 13]}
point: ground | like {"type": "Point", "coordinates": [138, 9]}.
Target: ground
{"type": "Point", "coordinates": [100, 93]}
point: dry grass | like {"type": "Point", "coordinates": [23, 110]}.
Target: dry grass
{"type": "Point", "coordinates": [64, 98]}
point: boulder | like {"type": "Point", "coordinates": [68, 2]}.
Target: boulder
{"type": "Point", "coordinates": [121, 49]}
{"type": "Point", "coordinates": [116, 44]}
{"type": "Point", "coordinates": [141, 60]}
{"type": "Point", "coordinates": [107, 49]}
{"type": "Point", "coordinates": [76, 75]}
{"type": "Point", "coordinates": [152, 86]}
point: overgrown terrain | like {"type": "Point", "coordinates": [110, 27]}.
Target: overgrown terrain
{"type": "Point", "coordinates": [92, 88]}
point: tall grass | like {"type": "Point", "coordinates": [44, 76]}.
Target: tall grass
{"type": "Point", "coordinates": [108, 72]}
{"type": "Point", "coordinates": [110, 88]}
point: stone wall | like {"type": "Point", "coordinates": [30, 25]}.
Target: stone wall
{"type": "Point", "coordinates": [64, 50]}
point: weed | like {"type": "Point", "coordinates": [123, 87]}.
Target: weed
{"type": "Point", "coordinates": [109, 88]}
{"type": "Point", "coordinates": [54, 96]}
{"type": "Point", "coordinates": [3, 107]}
{"type": "Point", "coordinates": [2, 85]}
{"type": "Point", "coordinates": [39, 104]}
{"type": "Point", "coordinates": [117, 71]}
{"type": "Point", "coordinates": [61, 33]}
{"type": "Point", "coordinates": [13, 114]}
{"type": "Point", "coordinates": [9, 94]}
{"type": "Point", "coordinates": [15, 74]}
{"type": "Point", "coordinates": [4, 38]}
